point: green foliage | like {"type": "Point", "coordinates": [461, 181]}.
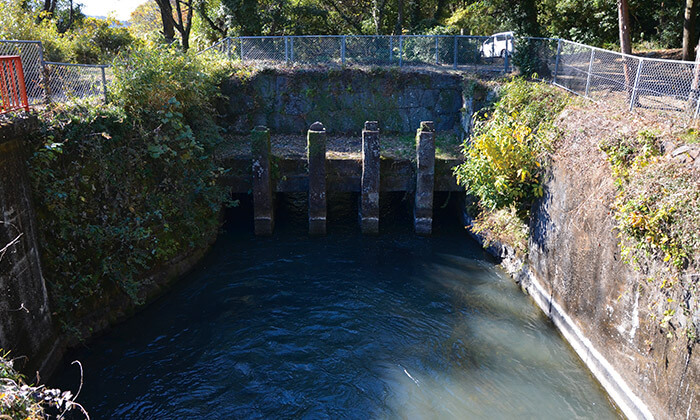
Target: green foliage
{"type": "Point", "coordinates": [125, 187]}
{"type": "Point", "coordinates": [531, 57]}
{"type": "Point", "coordinates": [477, 18]}
{"type": "Point", "coordinates": [88, 40]}
{"type": "Point", "coordinates": [657, 210]}
{"type": "Point", "coordinates": [504, 160]}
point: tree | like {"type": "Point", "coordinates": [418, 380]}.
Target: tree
{"type": "Point", "coordinates": [399, 17]}
{"type": "Point", "coordinates": [689, 18]}
{"type": "Point", "coordinates": [166, 15]}
{"type": "Point", "coordinates": [623, 16]}
{"type": "Point", "coordinates": [180, 19]}
{"type": "Point", "coordinates": [145, 19]}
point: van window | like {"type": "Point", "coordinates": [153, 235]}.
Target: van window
{"type": "Point", "coordinates": [500, 38]}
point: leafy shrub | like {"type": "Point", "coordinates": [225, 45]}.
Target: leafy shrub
{"type": "Point", "coordinates": [531, 57]}
{"type": "Point", "coordinates": [504, 159]}
{"type": "Point", "coordinates": [89, 40]}
{"type": "Point", "coordinates": [124, 187]}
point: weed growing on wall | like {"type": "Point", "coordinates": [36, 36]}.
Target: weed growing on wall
{"type": "Point", "coordinates": [19, 400]}
{"type": "Point", "coordinates": [657, 209]}
{"type": "Point", "coordinates": [123, 188]}
{"type": "Point", "coordinates": [504, 160]}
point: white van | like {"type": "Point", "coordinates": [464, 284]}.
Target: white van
{"type": "Point", "coordinates": [497, 45]}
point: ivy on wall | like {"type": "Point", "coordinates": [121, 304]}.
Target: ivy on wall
{"type": "Point", "coordinates": [122, 188]}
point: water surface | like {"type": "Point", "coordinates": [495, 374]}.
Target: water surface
{"type": "Point", "coordinates": [339, 327]}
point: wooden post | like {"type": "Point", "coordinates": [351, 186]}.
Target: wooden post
{"type": "Point", "coordinates": [369, 205]}
{"type": "Point", "coordinates": [425, 178]}
{"type": "Point", "coordinates": [263, 195]}
{"type": "Point", "coordinates": [316, 152]}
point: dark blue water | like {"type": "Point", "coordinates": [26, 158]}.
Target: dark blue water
{"type": "Point", "coordinates": [338, 327]}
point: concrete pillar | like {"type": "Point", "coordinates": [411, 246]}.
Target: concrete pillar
{"type": "Point", "coordinates": [263, 194]}
{"type": "Point", "coordinates": [369, 204]}
{"type": "Point", "coordinates": [316, 152]}
{"type": "Point", "coordinates": [425, 178]}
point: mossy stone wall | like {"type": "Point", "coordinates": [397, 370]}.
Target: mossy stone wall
{"type": "Point", "coordinates": [288, 101]}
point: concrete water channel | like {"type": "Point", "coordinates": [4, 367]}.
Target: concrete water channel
{"type": "Point", "coordinates": [343, 325]}
{"type": "Point", "coordinates": [314, 318]}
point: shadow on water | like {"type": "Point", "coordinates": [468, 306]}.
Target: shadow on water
{"type": "Point", "coordinates": [342, 326]}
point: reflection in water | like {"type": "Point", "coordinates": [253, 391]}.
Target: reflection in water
{"type": "Point", "coordinates": [339, 327]}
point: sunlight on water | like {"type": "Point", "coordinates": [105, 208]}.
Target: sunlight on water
{"type": "Point", "coordinates": [343, 326]}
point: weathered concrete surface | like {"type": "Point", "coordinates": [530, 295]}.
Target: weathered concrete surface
{"type": "Point", "coordinates": [26, 326]}
{"type": "Point", "coordinates": [369, 197]}
{"type": "Point", "coordinates": [575, 257]}
{"type": "Point", "coordinates": [288, 101]}
{"type": "Point", "coordinates": [316, 155]}
{"type": "Point", "coordinates": [425, 178]}
{"type": "Point", "coordinates": [602, 306]}
{"type": "Point", "coordinates": [263, 195]}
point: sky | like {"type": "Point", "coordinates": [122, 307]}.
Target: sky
{"type": "Point", "coordinates": [122, 8]}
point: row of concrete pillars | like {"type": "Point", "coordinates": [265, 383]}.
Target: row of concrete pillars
{"type": "Point", "coordinates": [264, 192]}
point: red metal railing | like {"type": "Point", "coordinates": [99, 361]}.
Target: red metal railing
{"type": "Point", "coordinates": [13, 93]}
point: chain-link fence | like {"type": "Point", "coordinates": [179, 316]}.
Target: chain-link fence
{"type": "Point", "coordinates": [623, 80]}
{"type": "Point", "coordinates": [69, 81]}
{"type": "Point", "coordinates": [32, 56]}
{"type": "Point", "coordinates": [474, 53]}
{"type": "Point", "coordinates": [49, 81]}
{"type": "Point", "coordinates": [600, 75]}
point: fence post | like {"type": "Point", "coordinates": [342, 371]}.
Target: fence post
{"type": "Point", "coordinates": [241, 46]}
{"type": "Point", "coordinates": [697, 108]}
{"type": "Point", "coordinates": [286, 50]}
{"type": "Point", "coordinates": [506, 56]}
{"type": "Point", "coordinates": [342, 50]}
{"type": "Point", "coordinates": [400, 50]}
{"type": "Point", "coordinates": [104, 82]}
{"type": "Point", "coordinates": [556, 61]}
{"type": "Point", "coordinates": [633, 100]}
{"type": "Point", "coordinates": [391, 48]}
{"type": "Point", "coordinates": [456, 52]}
{"type": "Point", "coordinates": [44, 74]}
{"type": "Point", "coordinates": [291, 49]}
{"type": "Point", "coordinates": [228, 47]}
{"type": "Point", "coordinates": [437, 59]}
{"type": "Point", "coordinates": [590, 70]}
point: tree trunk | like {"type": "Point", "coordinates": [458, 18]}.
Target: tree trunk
{"type": "Point", "coordinates": [204, 15]}
{"type": "Point", "coordinates": [378, 15]}
{"type": "Point", "coordinates": [166, 14]}
{"type": "Point", "coordinates": [623, 15]}
{"type": "Point", "coordinates": [399, 20]}
{"type": "Point", "coordinates": [694, 94]}
{"type": "Point", "coordinates": [689, 29]}
{"type": "Point", "coordinates": [440, 10]}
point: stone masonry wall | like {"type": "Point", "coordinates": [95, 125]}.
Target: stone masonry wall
{"type": "Point", "coordinates": [288, 101]}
